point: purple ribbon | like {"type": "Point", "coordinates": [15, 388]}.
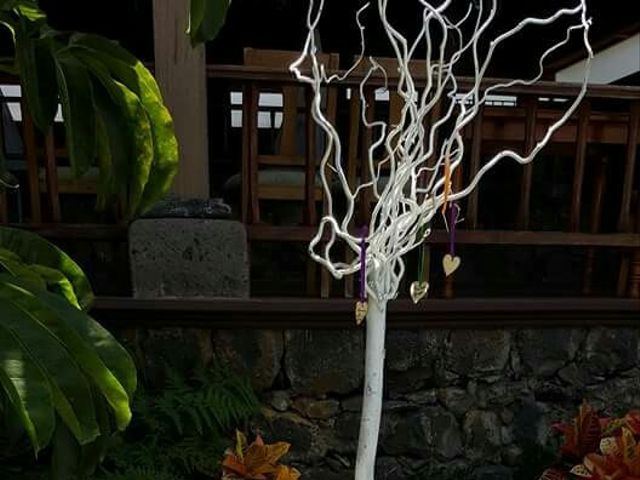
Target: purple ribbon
{"type": "Point", "coordinates": [364, 232]}
{"type": "Point", "coordinates": [453, 218]}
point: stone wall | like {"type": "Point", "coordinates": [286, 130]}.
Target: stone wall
{"type": "Point", "coordinates": [458, 404]}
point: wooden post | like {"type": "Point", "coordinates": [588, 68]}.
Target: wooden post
{"type": "Point", "coordinates": [181, 74]}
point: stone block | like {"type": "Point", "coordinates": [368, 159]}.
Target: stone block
{"type": "Point", "coordinates": [186, 257]}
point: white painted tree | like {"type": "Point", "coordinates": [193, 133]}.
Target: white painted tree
{"type": "Point", "coordinates": [410, 170]}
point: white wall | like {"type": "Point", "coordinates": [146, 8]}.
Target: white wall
{"type": "Point", "coordinates": [609, 65]}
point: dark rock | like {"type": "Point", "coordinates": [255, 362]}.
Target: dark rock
{"type": "Point", "coordinates": [179, 349]}
{"type": "Point", "coordinates": [352, 404]}
{"type": "Point", "coordinates": [475, 353]}
{"type": "Point", "coordinates": [493, 472]}
{"type": "Point", "coordinates": [574, 376]}
{"type": "Point", "coordinates": [608, 350]}
{"type": "Point", "coordinates": [280, 400]}
{"type": "Point", "coordinates": [420, 433]}
{"type": "Point", "coordinates": [544, 352]}
{"type": "Point", "coordinates": [411, 359]}
{"type": "Point", "coordinates": [326, 473]}
{"type": "Point", "coordinates": [447, 440]}
{"type": "Point", "coordinates": [307, 442]}
{"type": "Point", "coordinates": [316, 409]}
{"type": "Point", "coordinates": [482, 439]}
{"type": "Point", "coordinates": [614, 397]}
{"type": "Point", "coordinates": [390, 469]}
{"type": "Point", "coordinates": [452, 470]}
{"type": "Point", "coordinates": [530, 426]}
{"type": "Point", "coordinates": [324, 361]}
{"type": "Point", "coordinates": [457, 400]}
{"type": "Point", "coordinates": [407, 433]}
{"type": "Point", "coordinates": [255, 353]}
{"type": "Point", "coordinates": [347, 427]}
{"type": "Point", "coordinates": [174, 207]}
{"type": "Point", "coordinates": [424, 397]}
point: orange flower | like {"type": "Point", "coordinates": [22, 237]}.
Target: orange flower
{"type": "Point", "coordinates": [257, 461]}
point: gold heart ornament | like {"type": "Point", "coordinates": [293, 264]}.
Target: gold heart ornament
{"type": "Point", "coordinates": [361, 311]}
{"type": "Point", "coordinates": [418, 291]}
{"type": "Point", "coordinates": [450, 264]}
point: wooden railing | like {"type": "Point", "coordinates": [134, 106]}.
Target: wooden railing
{"type": "Point", "coordinates": [602, 141]}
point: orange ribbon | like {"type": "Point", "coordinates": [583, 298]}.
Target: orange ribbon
{"type": "Point", "coordinates": [447, 184]}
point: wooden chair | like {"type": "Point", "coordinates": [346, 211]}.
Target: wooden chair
{"type": "Point", "coordinates": [287, 174]}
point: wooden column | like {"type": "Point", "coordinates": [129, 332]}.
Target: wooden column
{"type": "Point", "coordinates": [181, 74]}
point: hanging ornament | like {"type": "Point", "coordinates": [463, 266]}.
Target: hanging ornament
{"type": "Point", "coordinates": [362, 306]}
{"type": "Point", "coordinates": [419, 289]}
{"type": "Point", "coordinates": [450, 262]}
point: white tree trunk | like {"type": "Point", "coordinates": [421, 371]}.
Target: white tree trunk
{"type": "Point", "coordinates": [373, 386]}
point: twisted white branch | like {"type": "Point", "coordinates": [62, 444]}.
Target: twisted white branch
{"type": "Point", "coordinates": [404, 205]}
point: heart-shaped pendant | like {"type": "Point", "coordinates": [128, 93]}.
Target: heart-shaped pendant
{"type": "Point", "coordinates": [450, 264]}
{"type": "Point", "coordinates": [361, 311]}
{"type": "Point", "coordinates": [418, 291]}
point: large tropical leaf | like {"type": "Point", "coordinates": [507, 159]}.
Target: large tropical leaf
{"type": "Point", "coordinates": [25, 384]}
{"type": "Point", "coordinates": [32, 249]}
{"type": "Point", "coordinates": [128, 130]}
{"type": "Point", "coordinates": [135, 124]}
{"type": "Point", "coordinates": [34, 57]}
{"type": "Point", "coordinates": [206, 18]}
{"type": "Point", "coordinates": [128, 70]}
{"type": "Point", "coordinates": [70, 326]}
{"type": "Point", "coordinates": [69, 388]}
{"type": "Point", "coordinates": [76, 97]}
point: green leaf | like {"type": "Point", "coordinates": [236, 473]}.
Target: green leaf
{"type": "Point", "coordinates": [34, 56]}
{"type": "Point", "coordinates": [57, 281]}
{"type": "Point", "coordinates": [127, 111]}
{"type": "Point", "coordinates": [25, 384]}
{"type": "Point", "coordinates": [98, 353]}
{"type": "Point", "coordinates": [76, 97]}
{"type": "Point", "coordinates": [128, 70]}
{"type": "Point", "coordinates": [206, 18]}
{"type": "Point", "coordinates": [86, 342]}
{"type": "Point", "coordinates": [33, 249]}
{"type": "Point", "coordinates": [28, 276]}
{"type": "Point", "coordinates": [30, 10]}
{"type": "Point", "coordinates": [107, 186]}
{"type": "Point", "coordinates": [70, 391]}
{"type": "Point", "coordinates": [65, 456]}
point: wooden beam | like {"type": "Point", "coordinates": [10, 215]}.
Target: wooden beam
{"type": "Point", "coordinates": [337, 313]}
{"type": "Point", "coordinates": [181, 74]}
{"type": "Point", "coordinates": [470, 237]}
